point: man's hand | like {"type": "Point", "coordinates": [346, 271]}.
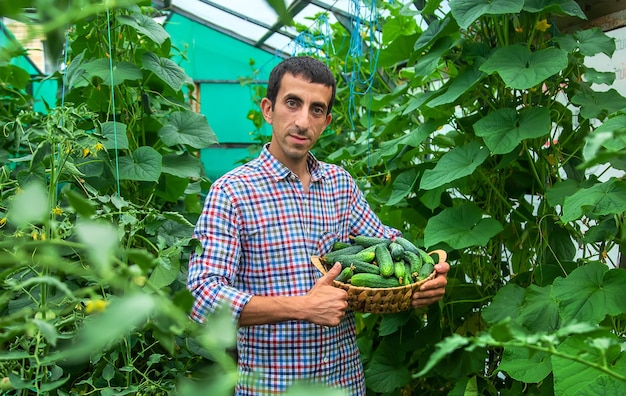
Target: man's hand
{"type": "Point", "coordinates": [433, 290]}
{"type": "Point", "coordinates": [327, 304]}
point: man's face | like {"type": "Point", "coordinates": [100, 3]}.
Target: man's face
{"type": "Point", "coordinates": [298, 118]}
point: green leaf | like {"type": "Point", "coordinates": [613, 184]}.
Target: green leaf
{"type": "Point", "coordinates": [459, 162]}
{"type": "Point", "coordinates": [29, 205]}
{"type": "Point", "coordinates": [520, 68]}
{"type": "Point", "coordinates": [165, 272]}
{"type": "Point", "coordinates": [588, 42]}
{"type": "Point", "coordinates": [443, 349]}
{"type": "Point", "coordinates": [574, 373]}
{"type": "Point", "coordinates": [559, 7]}
{"type": "Point", "coordinates": [188, 128]}
{"type": "Point", "coordinates": [386, 372]}
{"type": "Point", "coordinates": [457, 86]}
{"type": "Point", "coordinates": [560, 190]}
{"type": "Point", "coordinates": [402, 186]}
{"type": "Point", "coordinates": [435, 30]}
{"type": "Point", "coordinates": [467, 11]}
{"type": "Point", "coordinates": [507, 303]}
{"type": "Point", "coordinates": [11, 75]}
{"type": "Point", "coordinates": [460, 227]}
{"type": "Point", "coordinates": [594, 76]}
{"type": "Point", "coordinates": [281, 9]}
{"type": "Point", "coordinates": [48, 331]}
{"type": "Point", "coordinates": [525, 365]}
{"type": "Point", "coordinates": [166, 69]}
{"type": "Point", "coordinates": [145, 25]}
{"type": "Point", "coordinates": [390, 323]}
{"type": "Point", "coordinates": [590, 293]}
{"type": "Point", "coordinates": [122, 71]}
{"type": "Point", "coordinates": [428, 62]}
{"type": "Point", "coordinates": [114, 134]}
{"type": "Point", "coordinates": [540, 311]}
{"type": "Point", "coordinates": [80, 204]}
{"type": "Point", "coordinates": [99, 331]}
{"type": "Point", "coordinates": [599, 104]}
{"type": "Point", "coordinates": [144, 165]}
{"type": "Point", "coordinates": [600, 199]}
{"type": "Point", "coordinates": [606, 144]}
{"type": "Point", "coordinates": [182, 165]}
{"type": "Point", "coordinates": [504, 129]}
{"type": "Point", "coordinates": [398, 26]}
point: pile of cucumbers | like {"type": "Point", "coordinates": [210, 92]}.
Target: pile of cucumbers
{"type": "Point", "coordinates": [379, 262]}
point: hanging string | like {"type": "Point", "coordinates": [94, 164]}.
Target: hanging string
{"type": "Point", "coordinates": [117, 164]}
{"type": "Point", "coordinates": [363, 18]}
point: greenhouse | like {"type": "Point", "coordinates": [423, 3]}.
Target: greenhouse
{"type": "Point", "coordinates": [303, 197]}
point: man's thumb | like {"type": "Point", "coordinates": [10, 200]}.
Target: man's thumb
{"type": "Point", "coordinates": [331, 274]}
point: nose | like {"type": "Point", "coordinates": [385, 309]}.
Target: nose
{"type": "Point", "coordinates": [302, 121]}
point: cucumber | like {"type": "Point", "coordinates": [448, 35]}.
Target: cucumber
{"type": "Point", "coordinates": [415, 263]}
{"type": "Point", "coordinates": [373, 280]}
{"type": "Point", "coordinates": [345, 274]}
{"type": "Point", "coordinates": [363, 267]}
{"type": "Point", "coordinates": [426, 270]}
{"type": "Point", "coordinates": [384, 260]}
{"type": "Point", "coordinates": [340, 245]}
{"type": "Point", "coordinates": [396, 250]}
{"type": "Point", "coordinates": [363, 255]}
{"type": "Point", "coordinates": [366, 241]}
{"type": "Point", "coordinates": [331, 257]}
{"type": "Point", "coordinates": [408, 279]}
{"type": "Point", "coordinates": [426, 258]}
{"type": "Point", "coordinates": [406, 244]}
{"type": "Point", "coordinates": [399, 271]}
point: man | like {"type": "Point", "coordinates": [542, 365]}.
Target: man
{"type": "Point", "coordinates": [261, 223]}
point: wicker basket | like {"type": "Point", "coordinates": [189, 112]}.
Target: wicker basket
{"type": "Point", "coordinates": [380, 300]}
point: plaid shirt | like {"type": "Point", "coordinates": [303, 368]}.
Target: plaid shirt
{"type": "Point", "coordinates": [258, 230]}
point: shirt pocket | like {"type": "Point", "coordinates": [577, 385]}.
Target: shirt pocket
{"type": "Point", "coordinates": [325, 243]}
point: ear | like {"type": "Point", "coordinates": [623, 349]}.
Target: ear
{"type": "Point", "coordinates": [329, 117]}
{"type": "Point", "coordinates": [266, 109]}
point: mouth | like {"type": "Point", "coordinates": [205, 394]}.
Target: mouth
{"type": "Point", "coordinates": [299, 139]}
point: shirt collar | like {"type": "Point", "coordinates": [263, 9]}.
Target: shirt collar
{"type": "Point", "coordinates": [280, 171]}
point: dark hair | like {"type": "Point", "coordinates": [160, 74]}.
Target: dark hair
{"type": "Point", "coordinates": [308, 68]}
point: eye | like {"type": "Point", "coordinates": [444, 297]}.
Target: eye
{"type": "Point", "coordinates": [318, 111]}
{"type": "Point", "coordinates": [291, 103]}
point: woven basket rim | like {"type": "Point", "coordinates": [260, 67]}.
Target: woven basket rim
{"type": "Point", "coordinates": [318, 263]}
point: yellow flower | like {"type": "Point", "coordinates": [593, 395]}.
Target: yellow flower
{"type": "Point", "coordinates": [542, 25]}
{"type": "Point", "coordinates": [35, 235]}
{"type": "Point", "coordinates": [3, 221]}
{"type": "Point", "coordinates": [57, 211]}
{"type": "Point", "coordinates": [86, 152]}
{"type": "Point", "coordinates": [99, 146]}
{"type": "Point", "coordinates": [92, 306]}
{"type": "Point", "coordinates": [519, 29]}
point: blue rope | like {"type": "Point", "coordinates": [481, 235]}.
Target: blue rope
{"type": "Point", "coordinates": [117, 164]}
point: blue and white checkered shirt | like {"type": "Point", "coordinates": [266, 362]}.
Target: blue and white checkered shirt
{"type": "Point", "coordinates": [258, 230]}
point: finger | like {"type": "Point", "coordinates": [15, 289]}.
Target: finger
{"type": "Point", "coordinates": [331, 275]}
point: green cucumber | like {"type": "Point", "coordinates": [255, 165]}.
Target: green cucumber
{"type": "Point", "coordinates": [368, 257]}
{"type": "Point", "coordinates": [406, 244]}
{"type": "Point", "coordinates": [399, 271]}
{"type": "Point", "coordinates": [331, 257]}
{"type": "Point", "coordinates": [345, 274]}
{"type": "Point", "coordinates": [396, 250]}
{"type": "Point", "coordinates": [337, 245]}
{"type": "Point", "coordinates": [415, 263]}
{"type": "Point", "coordinates": [359, 266]}
{"type": "Point", "coordinates": [384, 260]}
{"type": "Point", "coordinates": [366, 241]}
{"type": "Point", "coordinates": [408, 279]}
{"type": "Point", "coordinates": [426, 270]}
{"type": "Point", "coordinates": [426, 258]}
{"type": "Point", "coordinates": [373, 280]}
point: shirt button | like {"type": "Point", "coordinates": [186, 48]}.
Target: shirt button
{"type": "Point", "coordinates": [325, 360]}
{"type": "Point", "coordinates": [292, 176]}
